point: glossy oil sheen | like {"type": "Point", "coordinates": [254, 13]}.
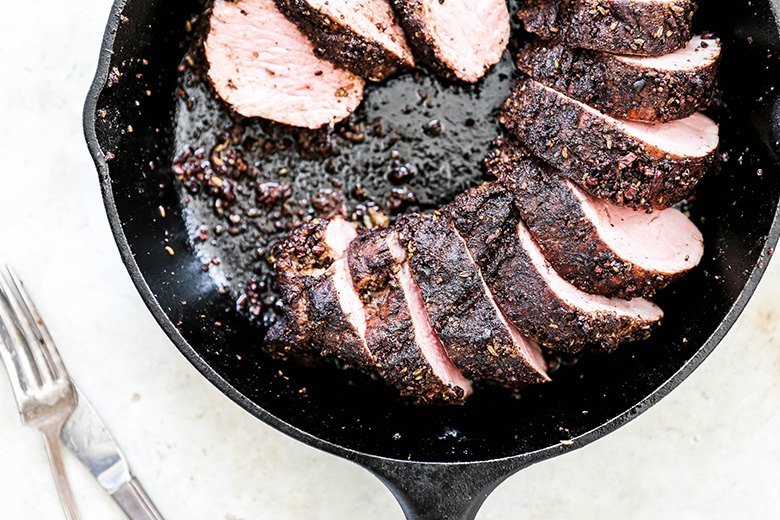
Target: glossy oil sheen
{"type": "Point", "coordinates": [350, 414]}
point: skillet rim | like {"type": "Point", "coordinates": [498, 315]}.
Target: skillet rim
{"type": "Point", "coordinates": [520, 459]}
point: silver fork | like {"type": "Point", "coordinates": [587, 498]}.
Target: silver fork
{"type": "Point", "coordinates": [44, 394]}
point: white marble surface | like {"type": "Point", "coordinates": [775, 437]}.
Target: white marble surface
{"type": "Point", "coordinates": [710, 450]}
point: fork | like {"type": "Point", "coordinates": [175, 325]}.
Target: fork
{"type": "Point", "coordinates": [44, 394]}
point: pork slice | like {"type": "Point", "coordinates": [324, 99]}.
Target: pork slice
{"type": "Point", "coordinates": [323, 312]}
{"type": "Point", "coordinates": [540, 303]}
{"type": "Point", "coordinates": [399, 334]}
{"type": "Point", "coordinates": [598, 247]}
{"type": "Point", "coordinates": [459, 40]}
{"type": "Point", "coordinates": [263, 66]}
{"type": "Point", "coordinates": [477, 336]}
{"type": "Point", "coordinates": [362, 36]}
{"type": "Point", "coordinates": [640, 27]}
{"type": "Point", "coordinates": [638, 165]}
{"type": "Point", "coordinates": [655, 89]}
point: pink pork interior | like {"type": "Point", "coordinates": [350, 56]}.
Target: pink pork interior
{"type": "Point", "coordinates": [427, 339]}
{"type": "Point", "coordinates": [694, 136]}
{"type": "Point", "coordinates": [529, 349]}
{"type": "Point", "coordinates": [587, 303]}
{"type": "Point", "coordinates": [664, 241]}
{"type": "Point", "coordinates": [374, 19]}
{"type": "Point", "coordinates": [471, 36]}
{"type": "Point", "coordinates": [262, 65]}
{"type": "Point", "coordinates": [337, 237]}
{"type": "Point", "coordinates": [691, 57]}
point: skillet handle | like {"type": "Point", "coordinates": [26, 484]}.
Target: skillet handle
{"type": "Point", "coordinates": [432, 491]}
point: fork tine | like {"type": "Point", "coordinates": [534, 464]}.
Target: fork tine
{"type": "Point", "coordinates": [39, 327]}
{"type": "Point", "coordinates": [13, 353]}
{"type": "Point", "coordinates": [32, 342]}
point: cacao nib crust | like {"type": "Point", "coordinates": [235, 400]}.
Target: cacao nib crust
{"type": "Point", "coordinates": [302, 249]}
{"type": "Point", "coordinates": [525, 296]}
{"type": "Point", "coordinates": [370, 262]}
{"type": "Point", "coordinates": [390, 333]}
{"type": "Point", "coordinates": [314, 319]}
{"type": "Point", "coordinates": [600, 158]}
{"type": "Point", "coordinates": [482, 215]}
{"type": "Point", "coordinates": [622, 90]}
{"type": "Point", "coordinates": [617, 26]}
{"type": "Point", "coordinates": [338, 43]}
{"type": "Point", "coordinates": [570, 242]}
{"type": "Point", "coordinates": [420, 39]}
{"type": "Point", "coordinates": [477, 342]}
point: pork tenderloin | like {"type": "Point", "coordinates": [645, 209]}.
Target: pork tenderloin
{"type": "Point", "coordinates": [641, 27]}
{"type": "Point", "coordinates": [541, 304]}
{"type": "Point", "coordinates": [458, 40]}
{"type": "Point", "coordinates": [599, 248]}
{"type": "Point", "coordinates": [477, 336]}
{"type": "Point", "coordinates": [655, 90]}
{"type": "Point", "coordinates": [361, 36]}
{"type": "Point", "coordinates": [399, 334]}
{"type": "Point", "coordinates": [638, 165]}
{"type": "Point", "coordinates": [263, 66]}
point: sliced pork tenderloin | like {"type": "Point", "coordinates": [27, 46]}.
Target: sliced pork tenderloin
{"type": "Point", "coordinates": [638, 165]}
{"type": "Point", "coordinates": [323, 312]}
{"type": "Point", "coordinates": [656, 89]}
{"type": "Point", "coordinates": [263, 66]}
{"type": "Point", "coordinates": [532, 295]}
{"type": "Point", "coordinates": [478, 338]}
{"type": "Point", "coordinates": [640, 27]}
{"type": "Point", "coordinates": [399, 334]}
{"type": "Point", "coordinates": [458, 40]}
{"type": "Point", "coordinates": [598, 247]}
{"type": "Point", "coordinates": [361, 36]}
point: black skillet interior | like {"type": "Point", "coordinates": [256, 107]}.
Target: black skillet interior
{"type": "Point", "coordinates": [131, 130]}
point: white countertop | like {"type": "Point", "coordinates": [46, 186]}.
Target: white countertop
{"type": "Point", "coordinates": [709, 450]}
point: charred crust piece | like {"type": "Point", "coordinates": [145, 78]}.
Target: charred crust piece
{"type": "Point", "coordinates": [315, 320]}
{"type": "Point", "coordinates": [370, 262]}
{"type": "Point", "coordinates": [337, 41]}
{"type": "Point", "coordinates": [644, 28]}
{"type": "Point", "coordinates": [625, 87]}
{"type": "Point", "coordinates": [603, 155]}
{"type": "Point", "coordinates": [390, 332]}
{"type": "Point", "coordinates": [472, 329]}
{"type": "Point", "coordinates": [541, 304]}
{"type": "Point", "coordinates": [554, 211]}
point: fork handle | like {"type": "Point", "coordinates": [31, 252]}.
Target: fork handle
{"type": "Point", "coordinates": [51, 437]}
{"type": "Point", "coordinates": [134, 501]}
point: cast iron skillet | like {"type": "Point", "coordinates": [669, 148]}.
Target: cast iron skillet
{"type": "Point", "coordinates": [440, 462]}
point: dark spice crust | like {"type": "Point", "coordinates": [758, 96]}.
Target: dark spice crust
{"type": "Point", "coordinates": [617, 26]}
{"type": "Point", "coordinates": [390, 334]}
{"type": "Point", "coordinates": [370, 262]}
{"type": "Point", "coordinates": [482, 215]}
{"type": "Point", "coordinates": [461, 313]}
{"type": "Point", "coordinates": [570, 242]}
{"type": "Point", "coordinates": [420, 39]}
{"type": "Point", "coordinates": [596, 155]}
{"type": "Point", "coordinates": [526, 298]}
{"type": "Point", "coordinates": [335, 41]}
{"type": "Point", "coordinates": [616, 87]}
{"type": "Point", "coordinates": [314, 320]}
